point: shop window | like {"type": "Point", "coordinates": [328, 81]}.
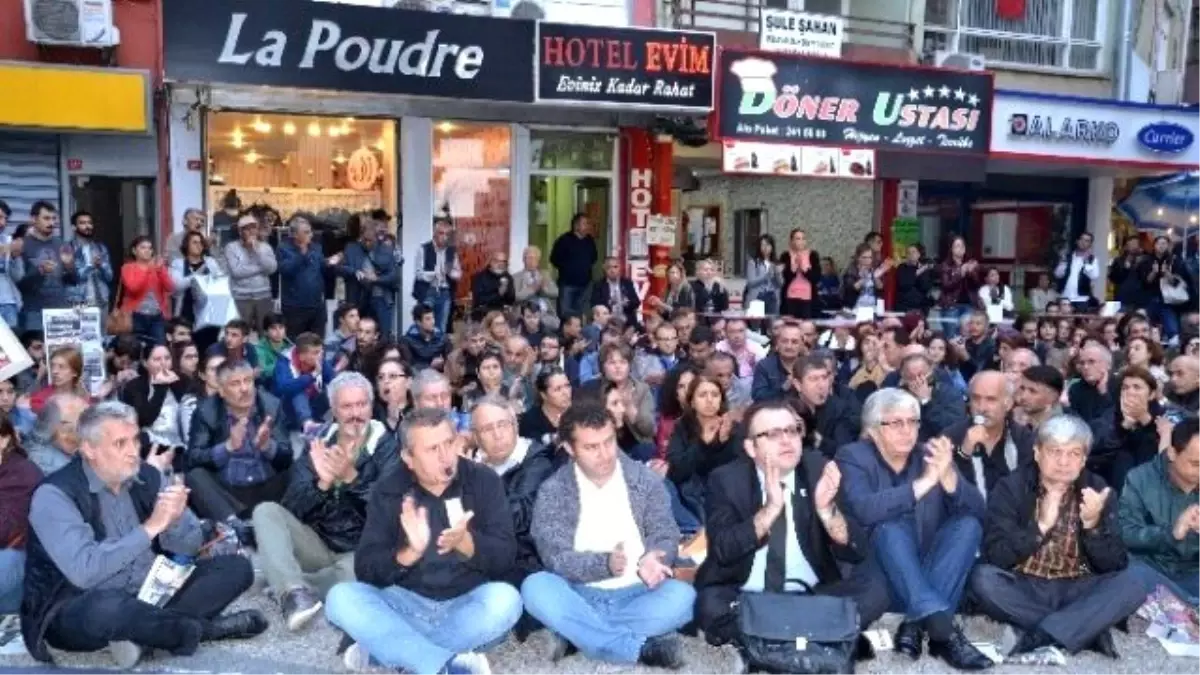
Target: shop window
{"type": "Point", "coordinates": [472, 185]}
{"type": "Point", "coordinates": [566, 151]}
{"type": "Point", "coordinates": [330, 167]}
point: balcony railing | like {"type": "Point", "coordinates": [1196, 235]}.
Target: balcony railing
{"type": "Point", "coordinates": [743, 16]}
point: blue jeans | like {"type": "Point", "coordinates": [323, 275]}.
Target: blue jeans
{"type": "Point", "coordinates": [401, 629]}
{"type": "Point", "coordinates": [571, 299]}
{"type": "Point", "coordinates": [608, 624]}
{"type": "Point", "coordinates": [687, 508]}
{"type": "Point", "coordinates": [152, 329]}
{"type": "Point", "coordinates": [440, 301]}
{"type": "Point", "coordinates": [385, 313]}
{"type": "Point", "coordinates": [1164, 314]}
{"type": "Point", "coordinates": [952, 320]}
{"type": "Point", "coordinates": [11, 316]}
{"type": "Point", "coordinates": [926, 583]}
{"type": "Point", "coordinates": [12, 577]}
{"type": "Point", "coordinates": [1185, 587]}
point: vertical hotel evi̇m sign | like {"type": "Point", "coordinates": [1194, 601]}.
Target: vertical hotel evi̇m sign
{"type": "Point", "coordinates": [787, 98]}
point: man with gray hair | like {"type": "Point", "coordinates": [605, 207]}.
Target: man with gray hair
{"type": "Point", "coordinates": [95, 528]}
{"type": "Point", "coordinates": [942, 405]}
{"type": "Point", "coordinates": [307, 539]}
{"type": "Point", "coordinates": [989, 445]}
{"type": "Point", "coordinates": [302, 266]}
{"type": "Point", "coordinates": [923, 523]}
{"type": "Point", "coordinates": [1054, 564]}
{"type": "Point", "coordinates": [54, 440]}
{"type": "Point", "coordinates": [193, 221]}
{"type": "Point", "coordinates": [431, 389]}
{"type": "Point", "coordinates": [1094, 395]}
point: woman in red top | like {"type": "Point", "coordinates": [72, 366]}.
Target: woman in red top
{"type": "Point", "coordinates": [66, 377]}
{"type": "Point", "coordinates": [146, 291]}
{"type": "Point", "coordinates": [801, 276]}
{"type": "Point", "coordinates": [18, 478]}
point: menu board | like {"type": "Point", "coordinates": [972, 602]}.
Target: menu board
{"type": "Point", "coordinates": [773, 159]}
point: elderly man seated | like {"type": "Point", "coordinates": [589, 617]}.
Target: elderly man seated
{"type": "Point", "coordinates": [95, 529]}
{"type": "Point", "coordinates": [436, 546]}
{"type": "Point", "coordinates": [1160, 515]}
{"type": "Point", "coordinates": [605, 533]}
{"type": "Point", "coordinates": [306, 541]}
{"type": "Point", "coordinates": [942, 405]}
{"type": "Point", "coordinates": [989, 446]}
{"type": "Point", "coordinates": [773, 522]}
{"type": "Point", "coordinates": [923, 523]}
{"type": "Point", "coordinates": [54, 441]}
{"type": "Point", "coordinates": [1054, 564]}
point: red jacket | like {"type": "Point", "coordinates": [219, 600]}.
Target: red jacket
{"type": "Point", "coordinates": [138, 279]}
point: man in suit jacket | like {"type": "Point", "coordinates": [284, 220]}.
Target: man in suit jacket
{"type": "Point", "coordinates": [769, 540]}
{"type": "Point", "coordinates": [616, 292]}
{"type": "Point", "coordinates": [990, 445]}
{"type": "Point", "coordinates": [923, 523]}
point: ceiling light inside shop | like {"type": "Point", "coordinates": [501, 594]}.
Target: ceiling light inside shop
{"type": "Point", "coordinates": [251, 157]}
{"type": "Point", "coordinates": [347, 127]}
{"type": "Point", "coordinates": [1193, 218]}
{"type": "Point", "coordinates": [334, 131]}
{"type": "Point", "coordinates": [446, 127]}
{"type": "Point", "coordinates": [238, 138]}
{"type": "Point", "coordinates": [314, 129]}
{"type": "Point", "coordinates": [262, 126]}
{"type": "Point", "coordinates": [340, 158]}
{"type": "Point", "coordinates": [381, 144]}
{"type": "Point", "coordinates": [289, 128]}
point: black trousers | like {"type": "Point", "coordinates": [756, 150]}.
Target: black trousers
{"type": "Point", "coordinates": [214, 500]}
{"type": "Point", "coordinates": [798, 309]}
{"type": "Point", "coordinates": [304, 320]}
{"type": "Point", "coordinates": [717, 616]}
{"type": "Point", "coordinates": [90, 621]}
{"type": "Point", "coordinates": [1072, 611]}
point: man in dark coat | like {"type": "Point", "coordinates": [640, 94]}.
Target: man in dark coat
{"type": "Point", "coordinates": [989, 445]}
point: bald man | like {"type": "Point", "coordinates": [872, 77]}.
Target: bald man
{"type": "Point", "coordinates": [988, 446]}
{"type": "Point", "coordinates": [1185, 383]}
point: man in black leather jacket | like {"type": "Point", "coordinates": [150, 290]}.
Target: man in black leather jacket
{"type": "Point", "coordinates": [307, 540]}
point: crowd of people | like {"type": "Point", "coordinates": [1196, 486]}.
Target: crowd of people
{"type": "Point", "coordinates": [562, 459]}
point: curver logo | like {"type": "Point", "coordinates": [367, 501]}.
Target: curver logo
{"type": "Point", "coordinates": [1165, 137]}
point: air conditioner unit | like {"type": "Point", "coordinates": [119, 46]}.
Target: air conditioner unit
{"type": "Point", "coordinates": [74, 23]}
{"type": "Point", "coordinates": [1168, 87]}
{"type": "Point", "coordinates": [959, 60]}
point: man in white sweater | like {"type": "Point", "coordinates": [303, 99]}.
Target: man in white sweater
{"type": "Point", "coordinates": [251, 263]}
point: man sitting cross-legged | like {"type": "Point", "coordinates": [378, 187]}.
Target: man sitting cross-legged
{"type": "Point", "coordinates": [1055, 565]}
{"type": "Point", "coordinates": [773, 522]}
{"type": "Point", "coordinates": [307, 540]}
{"type": "Point", "coordinates": [437, 541]}
{"type": "Point", "coordinates": [604, 530]}
{"type": "Point", "coordinates": [95, 528]}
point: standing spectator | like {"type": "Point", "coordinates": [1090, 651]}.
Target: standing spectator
{"type": "Point", "coordinates": [801, 269]}
{"type": "Point", "coordinates": [193, 222]}
{"type": "Point", "coordinates": [574, 255]}
{"type": "Point", "coordinates": [251, 263]}
{"type": "Point", "coordinates": [46, 269]}
{"type": "Point", "coordinates": [617, 292]}
{"type": "Point", "coordinates": [10, 257]}
{"type": "Point", "coordinates": [1043, 295]}
{"type": "Point", "coordinates": [762, 276]}
{"type": "Point", "coordinates": [830, 286]}
{"type": "Point", "coordinates": [302, 266]}
{"type": "Point", "coordinates": [225, 221]}
{"type": "Point", "coordinates": [146, 289]}
{"type": "Point", "coordinates": [438, 272]}
{"type": "Point", "coordinates": [862, 281]}
{"type": "Point", "coordinates": [534, 285]}
{"type": "Point", "coordinates": [914, 281]}
{"type": "Point", "coordinates": [93, 266]}
{"type": "Point", "coordinates": [492, 289]}
{"type": "Point", "coordinates": [1123, 273]}
{"type": "Point", "coordinates": [18, 478]}
{"type": "Point", "coordinates": [192, 259]}
{"type": "Point", "coordinates": [368, 266]}
{"type": "Point", "coordinates": [1075, 273]}
{"type": "Point", "coordinates": [960, 279]}
{"type": "Point", "coordinates": [1159, 268]}
{"type": "Point", "coordinates": [994, 295]}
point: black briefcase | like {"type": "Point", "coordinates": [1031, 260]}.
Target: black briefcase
{"type": "Point", "coordinates": [798, 632]}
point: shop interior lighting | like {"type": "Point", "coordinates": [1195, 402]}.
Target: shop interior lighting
{"type": "Point", "coordinates": [334, 131]}
{"type": "Point", "coordinates": [381, 145]}
{"type": "Point", "coordinates": [261, 126]}
{"type": "Point", "coordinates": [446, 127]}
{"type": "Point", "coordinates": [239, 139]}
{"type": "Point", "coordinates": [251, 157]}
{"type": "Point", "coordinates": [314, 129]}
{"type": "Point", "coordinates": [347, 126]}
{"type": "Point", "coordinates": [289, 129]}
{"type": "Point", "coordinates": [340, 158]}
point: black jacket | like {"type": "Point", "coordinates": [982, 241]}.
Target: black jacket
{"type": "Point", "coordinates": [719, 297]}
{"type": "Point", "coordinates": [147, 399]}
{"type": "Point", "coordinates": [1011, 534]}
{"type": "Point", "coordinates": [944, 409]}
{"type": "Point", "coordinates": [434, 576]}
{"type": "Point", "coordinates": [1093, 407]}
{"type": "Point", "coordinates": [486, 294]}
{"type": "Point", "coordinates": [629, 299]}
{"type": "Point", "coordinates": [735, 495]}
{"type": "Point", "coordinates": [832, 425]}
{"type": "Point", "coordinates": [690, 457]}
{"type": "Point", "coordinates": [1126, 280]}
{"type": "Point", "coordinates": [338, 514]}
{"type": "Point", "coordinates": [912, 289]}
{"type": "Point", "coordinates": [521, 484]}
{"type": "Point", "coordinates": [997, 465]}
{"type": "Point", "coordinates": [1116, 450]}
{"type": "Point", "coordinates": [210, 426]}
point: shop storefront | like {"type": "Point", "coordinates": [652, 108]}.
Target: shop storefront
{"type": "Point", "coordinates": [1057, 166]}
{"type": "Point", "coordinates": [61, 145]}
{"type": "Point", "coordinates": [509, 127]}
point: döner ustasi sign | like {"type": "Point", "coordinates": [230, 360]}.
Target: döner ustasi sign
{"type": "Point", "coordinates": [784, 98]}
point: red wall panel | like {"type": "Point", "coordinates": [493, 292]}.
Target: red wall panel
{"type": "Point", "coordinates": [136, 19]}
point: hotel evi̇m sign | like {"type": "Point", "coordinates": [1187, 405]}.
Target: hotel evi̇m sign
{"type": "Point", "coordinates": [630, 67]}
{"type": "Point", "coordinates": [319, 45]}
{"type": "Point", "coordinates": [785, 98]}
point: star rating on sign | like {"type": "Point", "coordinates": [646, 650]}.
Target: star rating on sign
{"type": "Point", "coordinates": [928, 91]}
{"type": "Point", "coordinates": [959, 94]}
{"type": "Point", "coordinates": [973, 100]}
{"type": "Point", "coordinates": [944, 92]}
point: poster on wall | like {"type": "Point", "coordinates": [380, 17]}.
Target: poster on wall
{"type": "Point", "coordinates": [788, 98]}
{"type": "Point", "coordinates": [13, 357]}
{"type": "Point", "coordinates": [79, 328]}
{"type": "Point", "coordinates": [661, 231]}
{"type": "Point", "coordinates": [810, 161]}
{"type": "Point", "coordinates": [801, 33]}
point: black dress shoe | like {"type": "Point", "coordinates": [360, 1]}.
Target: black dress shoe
{"type": "Point", "coordinates": [1031, 641]}
{"type": "Point", "coordinates": [909, 640]}
{"type": "Point", "coordinates": [959, 653]}
{"type": "Point", "coordinates": [863, 649]}
{"type": "Point", "coordinates": [237, 626]}
{"type": "Point", "coordinates": [1103, 644]}
{"type": "Point", "coordinates": [662, 651]}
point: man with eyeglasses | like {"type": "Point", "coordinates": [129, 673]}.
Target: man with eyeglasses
{"type": "Point", "coordinates": [652, 365]}
{"type": "Point", "coordinates": [1054, 564]}
{"type": "Point", "coordinates": [924, 524]}
{"type": "Point", "coordinates": [492, 288]}
{"type": "Point", "coordinates": [774, 522]}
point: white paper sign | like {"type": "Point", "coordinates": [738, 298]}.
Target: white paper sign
{"type": "Point", "coordinates": [454, 511]}
{"type": "Point", "coordinates": [1111, 308]}
{"type": "Point", "coordinates": [879, 306]}
{"type": "Point", "coordinates": [661, 231]}
{"type": "Point", "coordinates": [79, 328]}
{"type": "Point", "coordinates": [995, 314]}
{"type": "Point", "coordinates": [864, 314]}
{"type": "Point", "coordinates": [13, 357]}
{"type": "Point", "coordinates": [801, 33]}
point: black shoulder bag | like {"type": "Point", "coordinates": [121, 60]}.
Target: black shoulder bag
{"type": "Point", "coordinates": [798, 632]}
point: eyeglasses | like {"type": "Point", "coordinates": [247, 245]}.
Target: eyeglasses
{"type": "Point", "coordinates": [1073, 453]}
{"type": "Point", "coordinates": [780, 433]}
{"type": "Point", "coordinates": [902, 424]}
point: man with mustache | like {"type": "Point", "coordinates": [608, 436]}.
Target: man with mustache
{"type": "Point", "coordinates": [306, 540]}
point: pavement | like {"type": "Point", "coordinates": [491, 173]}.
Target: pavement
{"type": "Point", "coordinates": [311, 650]}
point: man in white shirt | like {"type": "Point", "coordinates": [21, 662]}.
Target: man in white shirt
{"type": "Point", "coordinates": [774, 526]}
{"type": "Point", "coordinates": [603, 528]}
{"type": "Point", "coordinates": [1075, 274]}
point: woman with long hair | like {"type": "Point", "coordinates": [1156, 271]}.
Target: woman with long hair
{"type": "Point", "coordinates": [393, 399]}
{"type": "Point", "coordinates": [1162, 268]}
{"type": "Point", "coordinates": [862, 284]}
{"type": "Point", "coordinates": [540, 422]}
{"type": "Point", "coordinates": [960, 281]}
{"type": "Point", "coordinates": [1141, 352]}
{"type": "Point", "coordinates": [18, 479]}
{"type": "Point", "coordinates": [914, 280]}
{"type": "Point", "coordinates": [498, 329]}
{"type": "Point", "coordinates": [763, 280]}
{"type": "Point", "coordinates": [65, 375]}
{"type": "Point", "coordinates": [672, 402]}
{"type": "Point", "coordinates": [146, 289]}
{"type": "Point", "coordinates": [801, 276]}
{"type": "Point", "coordinates": [615, 361]}
{"type": "Point", "coordinates": [492, 381]}
{"type": "Point", "coordinates": [157, 394]}
{"type": "Point", "coordinates": [679, 292]}
{"type": "Point", "coordinates": [702, 441]}
{"type": "Point", "coordinates": [995, 296]}
{"type": "Point", "coordinates": [194, 261]}
{"type": "Point", "coordinates": [872, 368]}
{"type": "Point", "coordinates": [946, 360]}
{"type": "Point", "coordinates": [185, 361]}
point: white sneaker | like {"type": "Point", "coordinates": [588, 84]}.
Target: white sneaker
{"type": "Point", "coordinates": [356, 659]}
{"type": "Point", "coordinates": [471, 662]}
{"type": "Point", "coordinates": [125, 654]}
